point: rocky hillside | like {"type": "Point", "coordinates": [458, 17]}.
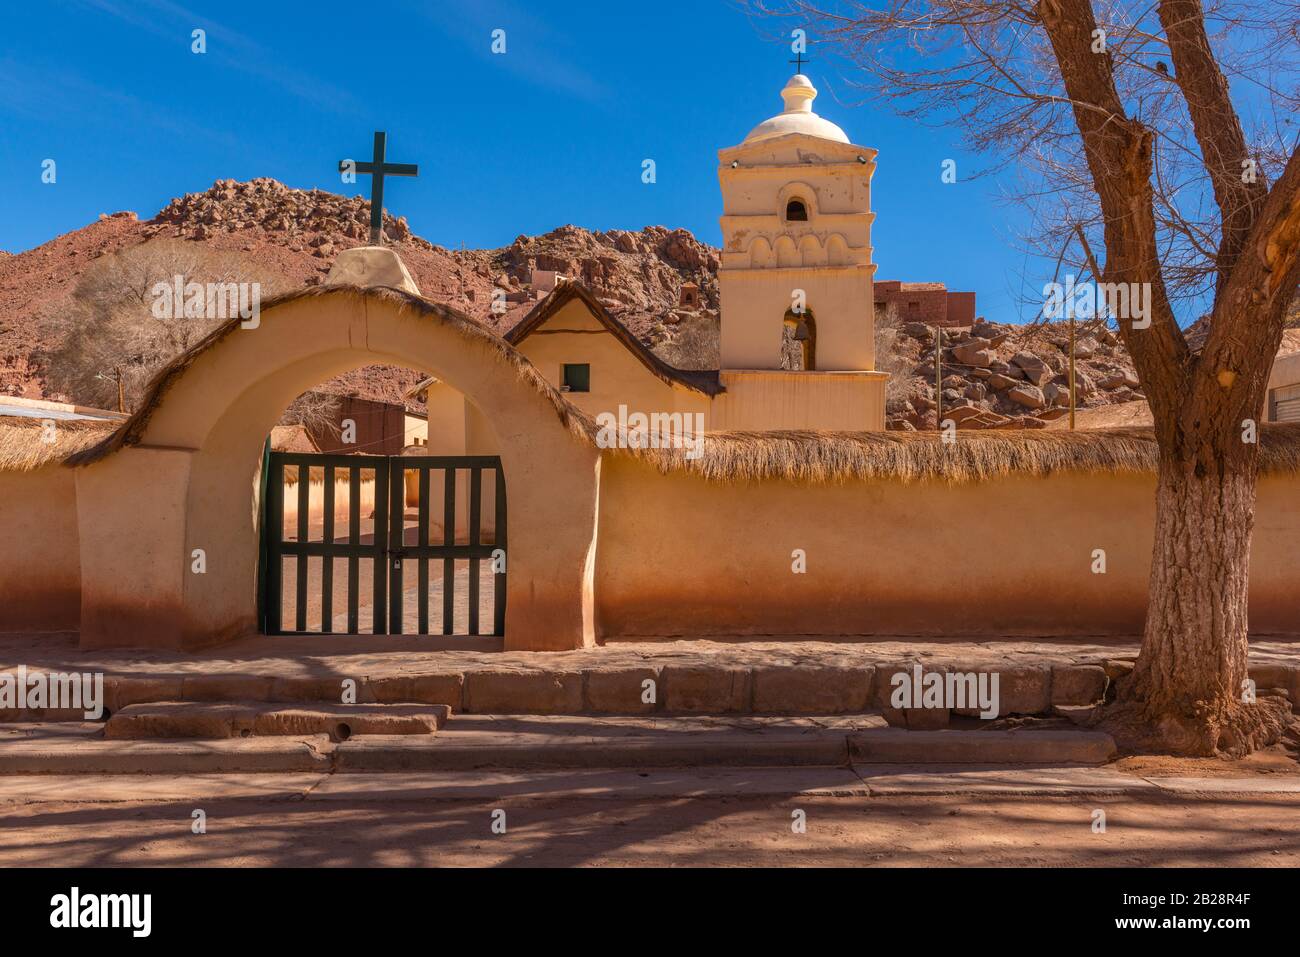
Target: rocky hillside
{"type": "Point", "coordinates": [291, 237]}
{"type": "Point", "coordinates": [993, 375]}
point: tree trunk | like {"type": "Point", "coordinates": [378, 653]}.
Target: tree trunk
{"type": "Point", "coordinates": [1187, 693]}
{"type": "Point", "coordinates": [1194, 648]}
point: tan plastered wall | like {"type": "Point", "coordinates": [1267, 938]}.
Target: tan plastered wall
{"type": "Point", "coordinates": [40, 575]}
{"type": "Point", "coordinates": [574, 335]}
{"type": "Point", "coordinates": [192, 482]}
{"type": "Point", "coordinates": [755, 301]}
{"type": "Point", "coordinates": [446, 424]}
{"type": "Point", "coordinates": [681, 556]}
{"type": "Point", "coordinates": [415, 430]}
{"type": "Point", "coordinates": [758, 400]}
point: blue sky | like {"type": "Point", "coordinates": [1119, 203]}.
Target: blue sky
{"type": "Point", "coordinates": [552, 132]}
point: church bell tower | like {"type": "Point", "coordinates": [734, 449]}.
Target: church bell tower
{"type": "Point", "coordinates": [798, 333]}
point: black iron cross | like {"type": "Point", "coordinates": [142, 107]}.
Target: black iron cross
{"type": "Point", "coordinates": [378, 169]}
{"type": "Point", "coordinates": [798, 61]}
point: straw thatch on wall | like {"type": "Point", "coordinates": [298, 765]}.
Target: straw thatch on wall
{"type": "Point", "coordinates": [974, 456]}
{"type": "Point", "coordinates": [134, 427]}
{"type": "Point", "coordinates": [24, 445]}
{"type": "Point", "coordinates": [807, 457]}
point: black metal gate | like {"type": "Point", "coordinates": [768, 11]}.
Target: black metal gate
{"type": "Point", "coordinates": [387, 523]}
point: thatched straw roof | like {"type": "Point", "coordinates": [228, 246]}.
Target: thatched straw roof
{"type": "Point", "coordinates": [292, 438]}
{"type": "Point", "coordinates": [809, 457]}
{"type": "Point", "coordinates": [23, 446]}
{"type": "Point", "coordinates": [134, 427]}
{"type": "Point", "coordinates": [976, 456]}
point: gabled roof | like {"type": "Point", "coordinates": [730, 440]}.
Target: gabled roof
{"type": "Point", "coordinates": [705, 381]}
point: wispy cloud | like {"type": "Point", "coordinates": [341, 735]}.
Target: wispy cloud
{"type": "Point", "coordinates": [536, 51]}
{"type": "Point", "coordinates": [41, 91]}
{"type": "Point", "coordinates": [227, 47]}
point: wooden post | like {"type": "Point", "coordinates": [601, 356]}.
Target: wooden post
{"type": "Point", "coordinates": [1096, 275]}
{"type": "Point", "coordinates": [1071, 367]}
{"type": "Point", "coordinates": [121, 398]}
{"type": "Point", "coordinates": [938, 378]}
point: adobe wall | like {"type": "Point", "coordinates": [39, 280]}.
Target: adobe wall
{"type": "Point", "coordinates": [765, 400]}
{"type": "Point", "coordinates": [192, 480]}
{"type": "Point", "coordinates": [678, 555]}
{"type": "Point", "coordinates": [40, 567]}
{"type": "Point", "coordinates": [617, 376]}
{"type": "Point", "coordinates": [446, 420]}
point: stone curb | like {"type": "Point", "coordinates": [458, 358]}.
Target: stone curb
{"type": "Point", "coordinates": [708, 749]}
{"type": "Point", "coordinates": [821, 688]}
{"type": "Point", "coordinates": [469, 750]}
{"type": "Point", "coordinates": [224, 756]}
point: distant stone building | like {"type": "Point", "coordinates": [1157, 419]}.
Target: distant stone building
{"type": "Point", "coordinates": [689, 297]}
{"type": "Point", "coordinates": [928, 302]}
{"type": "Point", "coordinates": [1283, 403]}
{"type": "Point", "coordinates": [544, 281]}
{"type": "Point", "coordinates": [380, 428]}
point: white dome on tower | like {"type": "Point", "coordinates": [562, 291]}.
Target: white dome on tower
{"type": "Point", "coordinates": [798, 116]}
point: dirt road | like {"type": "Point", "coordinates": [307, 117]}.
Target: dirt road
{"type": "Point", "coordinates": [929, 831]}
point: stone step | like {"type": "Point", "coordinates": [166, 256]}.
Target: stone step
{"type": "Point", "coordinates": [470, 751]}
{"type": "Point", "coordinates": [240, 719]}
{"type": "Point", "coordinates": [525, 743]}
{"type": "Point", "coordinates": [543, 742]}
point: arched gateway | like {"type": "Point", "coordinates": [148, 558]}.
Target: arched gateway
{"type": "Point", "coordinates": [183, 474]}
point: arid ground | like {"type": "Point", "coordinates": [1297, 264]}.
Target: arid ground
{"type": "Point", "coordinates": [118, 828]}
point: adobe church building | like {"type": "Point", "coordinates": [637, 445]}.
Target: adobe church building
{"type": "Point", "coordinates": [800, 516]}
{"type": "Point", "coordinates": [798, 329]}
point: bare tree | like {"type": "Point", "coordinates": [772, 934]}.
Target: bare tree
{"type": "Point", "coordinates": [1122, 123]}
{"type": "Point", "coordinates": [316, 411]}
{"type": "Point", "coordinates": [106, 342]}
{"type": "Point", "coordinates": [889, 322]}
{"type": "Point", "coordinates": [694, 344]}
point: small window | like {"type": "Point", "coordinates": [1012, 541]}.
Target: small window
{"type": "Point", "coordinates": [796, 211]}
{"type": "Point", "coordinates": [575, 377]}
{"type": "Point", "coordinates": [913, 307]}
